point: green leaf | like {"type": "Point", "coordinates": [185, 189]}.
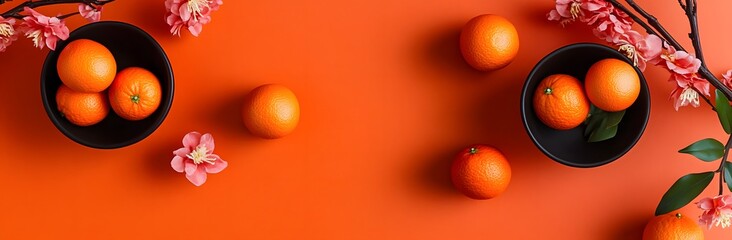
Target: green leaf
{"type": "Point", "coordinates": [706, 149]}
{"type": "Point", "coordinates": [724, 111]}
{"type": "Point", "coordinates": [603, 134]}
{"type": "Point", "coordinates": [728, 174]}
{"type": "Point", "coordinates": [602, 125]}
{"type": "Point", "coordinates": [613, 118]}
{"type": "Point", "coordinates": [684, 191]}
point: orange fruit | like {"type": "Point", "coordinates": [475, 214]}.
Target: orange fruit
{"type": "Point", "coordinates": [86, 66]}
{"type": "Point", "coordinates": [489, 42]}
{"type": "Point", "coordinates": [672, 227]}
{"type": "Point", "coordinates": [560, 102]}
{"type": "Point", "coordinates": [481, 172]}
{"type": "Point", "coordinates": [80, 108]}
{"type": "Point", "coordinates": [135, 93]}
{"type": "Point", "coordinates": [271, 111]}
{"type": "Point", "coordinates": [612, 85]}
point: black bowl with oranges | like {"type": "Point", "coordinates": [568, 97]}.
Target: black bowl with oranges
{"type": "Point", "coordinates": [130, 47]}
{"type": "Point", "coordinates": [571, 147]}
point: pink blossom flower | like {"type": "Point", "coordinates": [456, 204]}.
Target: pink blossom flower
{"type": "Point", "coordinates": [570, 10]}
{"type": "Point", "coordinates": [7, 32]}
{"type": "Point", "coordinates": [686, 89]}
{"type": "Point", "coordinates": [640, 49]}
{"type": "Point", "coordinates": [91, 13]}
{"type": "Point", "coordinates": [44, 30]}
{"type": "Point", "coordinates": [192, 14]}
{"type": "Point", "coordinates": [727, 78]}
{"type": "Point", "coordinates": [717, 211]}
{"type": "Point", "coordinates": [196, 158]}
{"type": "Point", "coordinates": [679, 62]}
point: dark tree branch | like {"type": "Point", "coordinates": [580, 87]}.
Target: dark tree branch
{"type": "Point", "coordinates": [15, 12]}
{"type": "Point", "coordinates": [67, 15]}
{"type": "Point", "coordinates": [653, 22]}
{"type": "Point", "coordinates": [694, 35]}
{"type": "Point", "coordinates": [682, 4]}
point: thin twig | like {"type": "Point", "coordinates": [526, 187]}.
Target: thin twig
{"type": "Point", "coordinates": [704, 97]}
{"type": "Point", "coordinates": [635, 18]}
{"type": "Point", "coordinates": [15, 12]}
{"type": "Point", "coordinates": [67, 15]}
{"type": "Point", "coordinates": [682, 5]}
{"type": "Point", "coordinates": [720, 170]}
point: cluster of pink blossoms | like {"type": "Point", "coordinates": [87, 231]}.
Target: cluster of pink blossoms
{"type": "Point", "coordinates": [191, 14]}
{"type": "Point", "coordinates": [41, 29]}
{"type": "Point", "coordinates": [614, 26]}
{"type": "Point", "coordinates": [717, 211]}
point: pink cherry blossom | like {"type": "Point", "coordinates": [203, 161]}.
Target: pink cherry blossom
{"type": "Point", "coordinates": [570, 10]}
{"type": "Point", "coordinates": [727, 78]}
{"type": "Point", "coordinates": [7, 32]}
{"type": "Point", "coordinates": [686, 89]}
{"type": "Point", "coordinates": [44, 30]}
{"type": "Point", "coordinates": [640, 49]}
{"type": "Point", "coordinates": [678, 61]}
{"type": "Point", "coordinates": [191, 14]}
{"type": "Point", "coordinates": [196, 158]}
{"type": "Point", "coordinates": [717, 211]}
{"type": "Point", "coordinates": [91, 13]}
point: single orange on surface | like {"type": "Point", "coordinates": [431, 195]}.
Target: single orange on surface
{"type": "Point", "coordinates": [560, 102]}
{"type": "Point", "coordinates": [489, 42]}
{"type": "Point", "coordinates": [672, 227]}
{"type": "Point", "coordinates": [271, 111]}
{"type": "Point", "coordinates": [612, 84]}
{"type": "Point", "coordinates": [481, 172]}
{"type": "Point", "coordinates": [135, 93]}
{"type": "Point", "coordinates": [80, 108]}
{"type": "Point", "coordinates": [86, 66]}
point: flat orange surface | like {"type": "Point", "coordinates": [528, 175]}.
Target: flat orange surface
{"type": "Point", "coordinates": [387, 101]}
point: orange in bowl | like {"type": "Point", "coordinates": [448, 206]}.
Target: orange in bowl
{"type": "Point", "coordinates": [612, 85]}
{"type": "Point", "coordinates": [86, 66]}
{"type": "Point", "coordinates": [135, 93]}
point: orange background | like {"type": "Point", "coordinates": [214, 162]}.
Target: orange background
{"type": "Point", "coordinates": [386, 103]}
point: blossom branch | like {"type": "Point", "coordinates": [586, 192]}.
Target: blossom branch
{"type": "Point", "coordinates": [653, 22]}
{"type": "Point", "coordinates": [693, 24]}
{"type": "Point", "coordinates": [15, 12]}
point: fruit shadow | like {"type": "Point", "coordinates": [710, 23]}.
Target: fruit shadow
{"type": "Point", "coordinates": [227, 120]}
{"type": "Point", "coordinates": [630, 227]}
{"type": "Point", "coordinates": [151, 17]}
{"type": "Point", "coordinates": [158, 160]}
{"type": "Point", "coordinates": [443, 52]}
{"type": "Point", "coordinates": [435, 173]}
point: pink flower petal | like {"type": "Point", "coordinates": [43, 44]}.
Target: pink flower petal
{"type": "Point", "coordinates": [177, 164]}
{"type": "Point", "coordinates": [191, 140]}
{"type": "Point", "coordinates": [182, 152]}
{"type": "Point", "coordinates": [198, 177]}
{"type": "Point", "coordinates": [217, 166]}
{"type": "Point", "coordinates": [190, 167]}
{"type": "Point", "coordinates": [208, 142]}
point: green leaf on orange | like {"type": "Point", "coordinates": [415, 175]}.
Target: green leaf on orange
{"type": "Point", "coordinates": [724, 111]}
{"type": "Point", "coordinates": [684, 191]}
{"type": "Point", "coordinates": [707, 150]}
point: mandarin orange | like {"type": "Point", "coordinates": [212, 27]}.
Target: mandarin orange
{"type": "Point", "coordinates": [481, 172]}
{"type": "Point", "coordinates": [560, 102]}
{"type": "Point", "coordinates": [135, 93]}
{"type": "Point", "coordinates": [612, 85]}
{"type": "Point", "coordinates": [271, 111]}
{"type": "Point", "coordinates": [489, 42]}
{"type": "Point", "coordinates": [86, 66]}
{"type": "Point", "coordinates": [80, 108]}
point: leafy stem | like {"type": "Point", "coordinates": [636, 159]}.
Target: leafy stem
{"type": "Point", "coordinates": [720, 170]}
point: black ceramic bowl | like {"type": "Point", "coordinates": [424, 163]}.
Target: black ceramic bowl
{"type": "Point", "coordinates": [131, 46]}
{"type": "Point", "coordinates": [570, 147]}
